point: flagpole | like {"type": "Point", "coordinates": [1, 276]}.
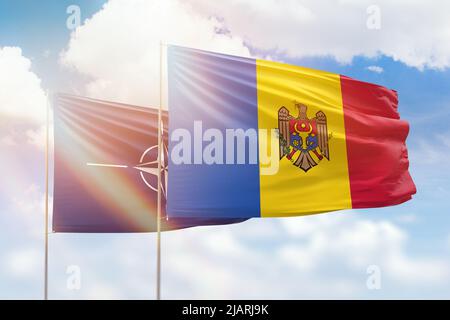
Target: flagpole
{"type": "Point", "coordinates": [46, 198]}
{"type": "Point", "coordinates": [158, 236]}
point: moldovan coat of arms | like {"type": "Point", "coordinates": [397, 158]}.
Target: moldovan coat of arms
{"type": "Point", "coordinates": [303, 140]}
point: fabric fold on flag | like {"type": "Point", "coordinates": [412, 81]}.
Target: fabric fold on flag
{"type": "Point", "coordinates": [106, 168]}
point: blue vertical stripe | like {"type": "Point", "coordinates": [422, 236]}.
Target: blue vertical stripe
{"type": "Point", "coordinates": [219, 91]}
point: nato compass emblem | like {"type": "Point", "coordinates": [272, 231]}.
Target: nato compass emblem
{"type": "Point", "coordinates": [148, 167]}
{"type": "Point", "coordinates": [303, 140]}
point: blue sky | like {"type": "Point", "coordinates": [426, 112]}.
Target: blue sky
{"type": "Point", "coordinates": [410, 242]}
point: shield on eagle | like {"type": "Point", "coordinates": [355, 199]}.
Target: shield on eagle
{"type": "Point", "coordinates": [303, 140]}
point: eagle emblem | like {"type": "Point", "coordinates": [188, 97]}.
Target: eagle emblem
{"type": "Point", "coordinates": [303, 140]}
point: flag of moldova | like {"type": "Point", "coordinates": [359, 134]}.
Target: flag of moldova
{"type": "Point", "coordinates": [255, 138]}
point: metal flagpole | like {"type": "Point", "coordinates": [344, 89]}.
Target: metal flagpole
{"type": "Point", "coordinates": [158, 236]}
{"type": "Point", "coordinates": [46, 198]}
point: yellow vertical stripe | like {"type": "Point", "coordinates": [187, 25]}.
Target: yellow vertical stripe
{"type": "Point", "coordinates": [289, 190]}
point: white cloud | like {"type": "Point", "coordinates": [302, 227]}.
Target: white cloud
{"type": "Point", "coordinates": [260, 258]}
{"type": "Point", "coordinates": [434, 150]}
{"type": "Point", "coordinates": [28, 207]}
{"type": "Point", "coordinates": [322, 256]}
{"type": "Point", "coordinates": [359, 243]}
{"type": "Point", "coordinates": [23, 263]}
{"type": "Point", "coordinates": [38, 136]}
{"type": "Point", "coordinates": [23, 105]}
{"type": "Point", "coordinates": [376, 69]}
{"type": "Point", "coordinates": [21, 94]}
{"type": "Point", "coordinates": [22, 114]}
{"type": "Point", "coordinates": [47, 53]}
{"type": "Point", "coordinates": [118, 48]}
{"type": "Point", "coordinates": [104, 292]}
{"type": "Point", "coordinates": [339, 28]}
{"type": "Point", "coordinates": [8, 140]}
{"type": "Point", "coordinates": [23, 102]}
{"type": "Point", "coordinates": [31, 201]}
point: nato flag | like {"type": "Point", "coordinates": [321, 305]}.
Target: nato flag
{"type": "Point", "coordinates": [106, 168]}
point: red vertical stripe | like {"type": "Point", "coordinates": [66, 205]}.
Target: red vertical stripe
{"type": "Point", "coordinates": [377, 156]}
